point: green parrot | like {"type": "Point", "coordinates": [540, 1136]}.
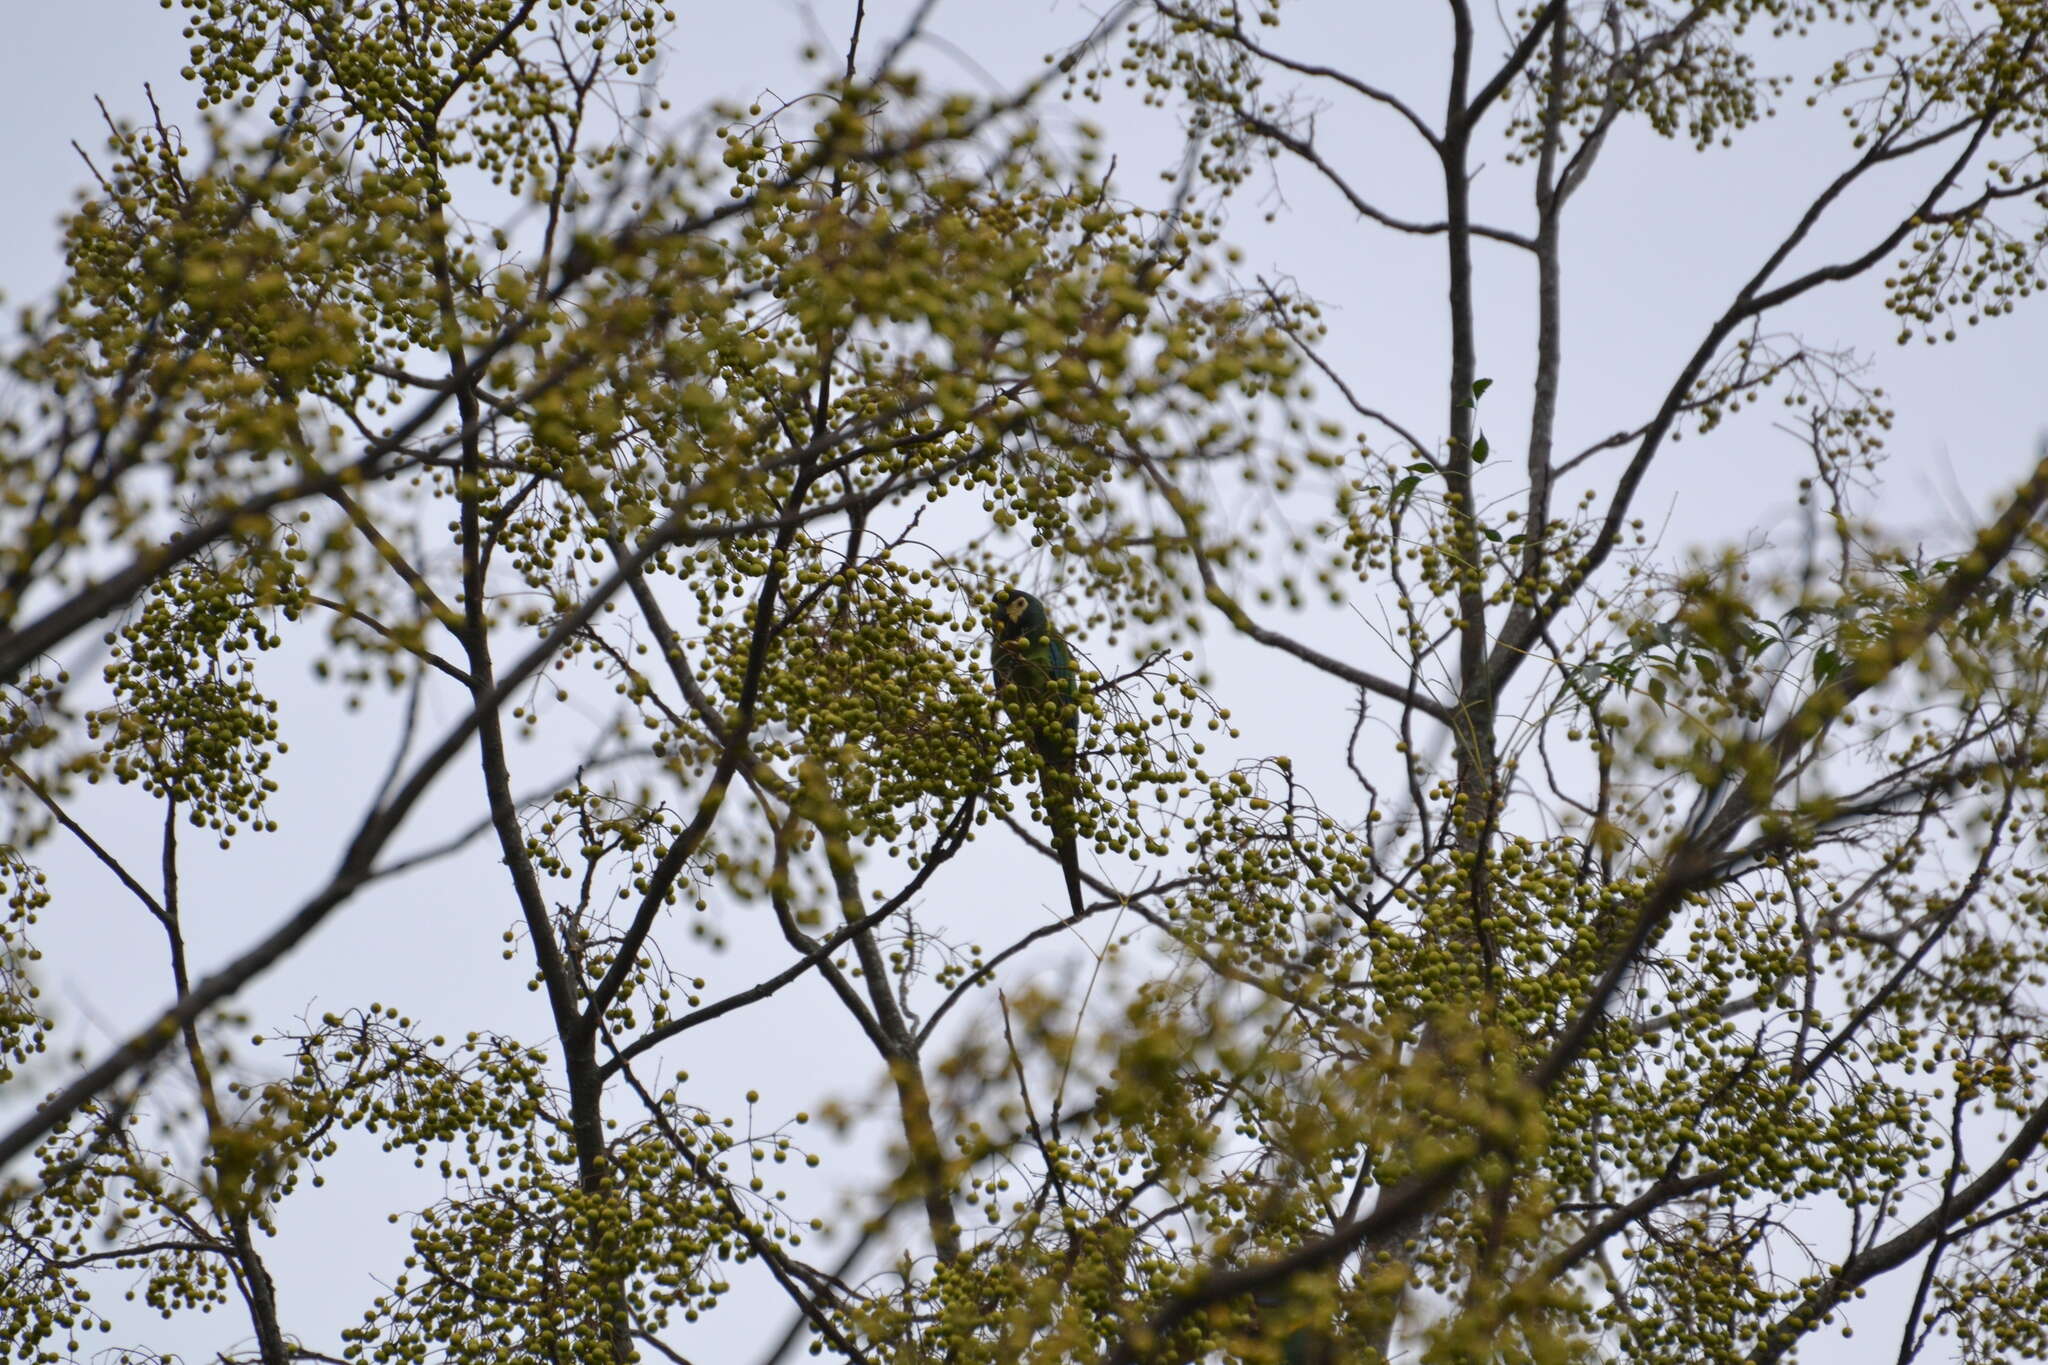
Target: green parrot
{"type": "Point", "coordinates": [1038, 685]}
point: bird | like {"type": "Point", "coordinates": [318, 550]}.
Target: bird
{"type": "Point", "coordinates": [1040, 688]}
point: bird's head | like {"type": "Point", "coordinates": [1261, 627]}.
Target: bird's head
{"type": "Point", "coordinates": [1018, 615]}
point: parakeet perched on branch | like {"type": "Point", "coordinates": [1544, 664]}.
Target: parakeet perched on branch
{"type": "Point", "coordinates": [1040, 688]}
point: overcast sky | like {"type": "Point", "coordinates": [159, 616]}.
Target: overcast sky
{"type": "Point", "coordinates": [1654, 253]}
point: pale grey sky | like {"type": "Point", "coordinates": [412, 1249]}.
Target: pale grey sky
{"type": "Point", "coordinates": [1655, 250]}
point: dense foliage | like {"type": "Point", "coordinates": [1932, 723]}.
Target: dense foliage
{"type": "Point", "coordinates": [1658, 966]}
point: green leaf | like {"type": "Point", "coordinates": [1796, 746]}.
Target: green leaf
{"type": "Point", "coordinates": [1480, 450]}
{"type": "Point", "coordinates": [1479, 388]}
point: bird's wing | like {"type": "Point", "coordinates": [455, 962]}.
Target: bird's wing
{"type": "Point", "coordinates": [1060, 663]}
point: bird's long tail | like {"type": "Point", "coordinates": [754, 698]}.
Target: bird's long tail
{"type": "Point", "coordinates": [1070, 864]}
{"type": "Point", "coordinates": [1059, 812]}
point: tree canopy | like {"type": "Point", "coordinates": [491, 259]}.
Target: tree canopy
{"type": "Point", "coordinates": [1649, 963]}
